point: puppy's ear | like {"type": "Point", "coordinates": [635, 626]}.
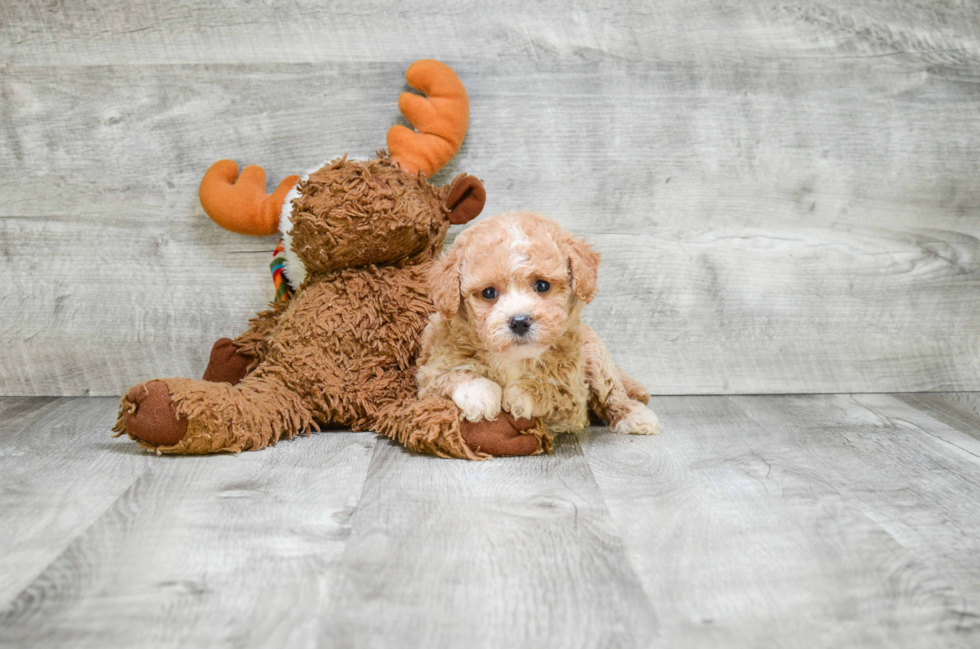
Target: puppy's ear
{"type": "Point", "coordinates": [583, 262]}
{"type": "Point", "coordinates": [444, 279]}
{"type": "Point", "coordinates": [466, 199]}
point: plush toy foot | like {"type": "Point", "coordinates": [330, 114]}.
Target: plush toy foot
{"type": "Point", "coordinates": [151, 416]}
{"type": "Point", "coordinates": [503, 436]}
{"type": "Point", "coordinates": [227, 364]}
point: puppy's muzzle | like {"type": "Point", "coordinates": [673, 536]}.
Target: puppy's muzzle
{"type": "Point", "coordinates": [520, 324]}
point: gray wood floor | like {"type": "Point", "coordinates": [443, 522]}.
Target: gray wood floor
{"type": "Point", "coordinates": [775, 521]}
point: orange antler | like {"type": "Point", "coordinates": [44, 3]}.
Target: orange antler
{"type": "Point", "coordinates": [440, 118]}
{"type": "Point", "coordinates": [242, 205]}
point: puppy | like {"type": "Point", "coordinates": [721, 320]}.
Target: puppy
{"type": "Point", "coordinates": [507, 334]}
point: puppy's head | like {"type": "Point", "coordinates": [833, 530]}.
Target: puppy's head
{"type": "Point", "coordinates": [517, 279]}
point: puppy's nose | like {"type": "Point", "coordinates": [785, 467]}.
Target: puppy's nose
{"type": "Point", "coordinates": [520, 324]}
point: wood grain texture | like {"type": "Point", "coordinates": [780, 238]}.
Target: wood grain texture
{"type": "Point", "coordinates": [955, 436]}
{"type": "Point", "coordinates": [795, 521]}
{"type": "Point", "coordinates": [920, 489]}
{"type": "Point", "coordinates": [91, 32]}
{"type": "Point", "coordinates": [202, 552]}
{"type": "Point", "coordinates": [784, 193]}
{"type": "Point", "coordinates": [783, 521]}
{"type": "Point", "coordinates": [959, 410]}
{"type": "Point", "coordinates": [510, 553]}
{"type": "Point", "coordinates": [59, 472]}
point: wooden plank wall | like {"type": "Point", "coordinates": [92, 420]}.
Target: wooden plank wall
{"type": "Point", "coordinates": [786, 195]}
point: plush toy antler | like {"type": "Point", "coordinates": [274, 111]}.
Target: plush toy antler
{"type": "Point", "coordinates": [440, 118]}
{"type": "Point", "coordinates": [240, 204]}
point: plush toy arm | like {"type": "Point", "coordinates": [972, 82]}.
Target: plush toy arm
{"type": "Point", "coordinates": [255, 341]}
{"type": "Point", "coordinates": [239, 203]}
{"type": "Point", "coordinates": [232, 360]}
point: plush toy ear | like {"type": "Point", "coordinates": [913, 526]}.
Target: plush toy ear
{"type": "Point", "coordinates": [444, 288]}
{"type": "Point", "coordinates": [466, 199]}
{"type": "Point", "coordinates": [583, 262]}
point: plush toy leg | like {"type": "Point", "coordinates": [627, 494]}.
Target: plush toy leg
{"type": "Point", "coordinates": [433, 425]}
{"type": "Point", "coordinates": [148, 415]}
{"type": "Point", "coordinates": [212, 417]}
{"type": "Point", "coordinates": [228, 364]}
{"type": "Point", "coordinates": [232, 360]}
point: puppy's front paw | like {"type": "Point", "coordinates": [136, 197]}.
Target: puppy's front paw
{"type": "Point", "coordinates": [478, 399]}
{"type": "Point", "coordinates": [518, 402]}
{"type": "Point", "coordinates": [639, 421]}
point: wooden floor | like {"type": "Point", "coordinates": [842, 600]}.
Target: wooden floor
{"type": "Point", "coordinates": [780, 521]}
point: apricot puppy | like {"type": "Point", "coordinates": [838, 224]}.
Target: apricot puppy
{"type": "Point", "coordinates": [507, 334]}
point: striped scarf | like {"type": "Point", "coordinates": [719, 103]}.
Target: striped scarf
{"type": "Point", "coordinates": [283, 290]}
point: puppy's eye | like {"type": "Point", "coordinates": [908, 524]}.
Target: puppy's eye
{"type": "Point", "coordinates": [489, 293]}
{"type": "Point", "coordinates": [542, 286]}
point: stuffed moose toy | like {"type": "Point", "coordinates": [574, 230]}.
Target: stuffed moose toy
{"type": "Point", "coordinates": [339, 345]}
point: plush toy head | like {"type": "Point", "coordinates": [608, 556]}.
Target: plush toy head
{"type": "Point", "coordinates": [352, 213]}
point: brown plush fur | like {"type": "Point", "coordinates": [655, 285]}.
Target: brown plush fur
{"type": "Point", "coordinates": [523, 265]}
{"type": "Point", "coordinates": [343, 350]}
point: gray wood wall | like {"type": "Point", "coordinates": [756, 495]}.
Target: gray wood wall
{"type": "Point", "coordinates": [786, 195]}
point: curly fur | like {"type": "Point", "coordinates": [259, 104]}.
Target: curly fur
{"type": "Point", "coordinates": [558, 369]}
{"type": "Point", "coordinates": [343, 350]}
